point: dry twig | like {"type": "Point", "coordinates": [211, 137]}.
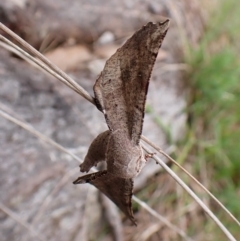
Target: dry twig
{"type": "Point", "coordinates": [26, 225]}
{"type": "Point", "coordinates": [192, 177]}
{"type": "Point", "coordinates": [192, 194]}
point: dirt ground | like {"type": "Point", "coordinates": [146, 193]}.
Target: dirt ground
{"type": "Point", "coordinates": [35, 178]}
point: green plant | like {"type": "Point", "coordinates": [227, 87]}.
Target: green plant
{"type": "Point", "coordinates": [214, 106]}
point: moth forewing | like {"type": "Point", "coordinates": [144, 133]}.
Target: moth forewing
{"type": "Point", "coordinates": [120, 93]}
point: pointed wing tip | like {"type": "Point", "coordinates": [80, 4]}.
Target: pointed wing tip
{"type": "Point", "coordinates": [90, 177]}
{"type": "Point", "coordinates": [166, 22]}
{"type": "Point", "coordinates": [79, 181]}
{"type": "Point", "coordinates": [164, 25]}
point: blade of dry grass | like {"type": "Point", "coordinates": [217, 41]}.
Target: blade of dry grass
{"type": "Point", "coordinates": [148, 232]}
{"type": "Point", "coordinates": [161, 218]}
{"type": "Point", "coordinates": [48, 200]}
{"type": "Point", "coordinates": [192, 194]}
{"type": "Point", "coordinates": [61, 148]}
{"type": "Point", "coordinates": [38, 134]}
{"type": "Point", "coordinates": [34, 52]}
{"type": "Point", "coordinates": [113, 217]}
{"type": "Point", "coordinates": [5, 43]}
{"type": "Point", "coordinates": [192, 177]}
{"type": "Point", "coordinates": [19, 220]}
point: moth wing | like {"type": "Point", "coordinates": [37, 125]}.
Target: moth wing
{"type": "Point", "coordinates": [119, 190]}
{"type": "Point", "coordinates": [96, 152]}
{"type": "Point", "coordinates": [121, 89]}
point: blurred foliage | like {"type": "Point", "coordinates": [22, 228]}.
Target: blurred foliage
{"type": "Point", "coordinates": [214, 110]}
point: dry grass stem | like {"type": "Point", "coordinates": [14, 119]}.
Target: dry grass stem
{"type": "Point", "coordinates": [147, 233]}
{"type": "Point", "coordinates": [38, 134]}
{"type": "Point", "coordinates": [49, 197]}
{"type": "Point", "coordinates": [192, 194]}
{"type": "Point", "coordinates": [26, 225]}
{"type": "Point", "coordinates": [34, 52]}
{"type": "Point", "coordinates": [5, 43]}
{"type": "Point", "coordinates": [161, 218]}
{"type": "Point", "coordinates": [193, 178]}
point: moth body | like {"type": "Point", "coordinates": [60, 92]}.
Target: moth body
{"type": "Point", "coordinates": [124, 158]}
{"type": "Point", "coordinates": [120, 94]}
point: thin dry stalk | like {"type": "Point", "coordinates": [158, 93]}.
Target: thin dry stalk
{"type": "Point", "coordinates": [38, 134]}
{"type": "Point", "coordinates": [113, 217]}
{"type": "Point", "coordinates": [161, 218]}
{"type": "Point", "coordinates": [34, 52]}
{"type": "Point", "coordinates": [192, 194]}
{"type": "Point", "coordinates": [34, 61]}
{"type": "Point", "coordinates": [192, 177]}
{"type": "Point", "coordinates": [49, 197]}
{"type": "Point", "coordinates": [26, 225]}
{"type": "Point", "coordinates": [147, 233]}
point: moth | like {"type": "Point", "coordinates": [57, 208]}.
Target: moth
{"type": "Point", "coordinates": [120, 94]}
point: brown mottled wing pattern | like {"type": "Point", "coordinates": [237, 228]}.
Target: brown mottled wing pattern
{"type": "Point", "coordinates": [96, 152]}
{"type": "Point", "coordinates": [119, 190]}
{"type": "Point", "coordinates": [121, 89]}
{"type": "Point", "coordinates": [120, 93]}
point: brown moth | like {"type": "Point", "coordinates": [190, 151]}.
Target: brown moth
{"type": "Point", "coordinates": [120, 93]}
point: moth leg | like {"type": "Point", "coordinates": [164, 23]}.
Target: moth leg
{"type": "Point", "coordinates": [118, 190]}
{"type": "Point", "coordinates": [96, 152]}
{"type": "Point", "coordinates": [149, 155]}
